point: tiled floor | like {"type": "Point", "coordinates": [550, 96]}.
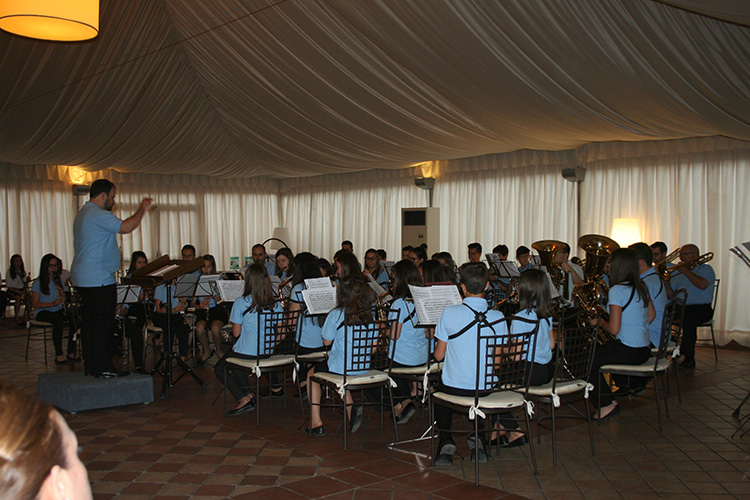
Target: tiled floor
{"type": "Point", "coordinates": [182, 447]}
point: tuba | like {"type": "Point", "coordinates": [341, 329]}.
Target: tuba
{"type": "Point", "coordinates": [548, 250]}
{"type": "Point", "coordinates": [598, 249]}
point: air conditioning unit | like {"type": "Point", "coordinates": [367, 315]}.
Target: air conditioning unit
{"type": "Point", "coordinates": [421, 225]}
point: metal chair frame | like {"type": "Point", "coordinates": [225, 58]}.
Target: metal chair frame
{"type": "Point", "coordinates": [370, 347]}
{"type": "Point", "coordinates": [710, 322]}
{"type": "Point", "coordinates": [501, 365]}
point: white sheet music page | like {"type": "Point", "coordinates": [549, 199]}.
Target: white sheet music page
{"type": "Point", "coordinates": [204, 285]}
{"type": "Point", "coordinates": [128, 294]}
{"type": "Point", "coordinates": [324, 282]}
{"type": "Point", "coordinates": [319, 300]}
{"type": "Point", "coordinates": [552, 288]}
{"type": "Point", "coordinates": [230, 290]}
{"type": "Point", "coordinates": [163, 270]}
{"type": "Point", "coordinates": [430, 301]}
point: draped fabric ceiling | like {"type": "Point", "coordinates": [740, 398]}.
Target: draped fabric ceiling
{"type": "Point", "coordinates": [293, 88]}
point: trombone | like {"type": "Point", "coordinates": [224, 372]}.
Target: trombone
{"type": "Point", "coordinates": [666, 271]}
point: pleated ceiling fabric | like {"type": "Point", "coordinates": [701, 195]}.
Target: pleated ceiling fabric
{"type": "Point", "coordinates": [296, 88]}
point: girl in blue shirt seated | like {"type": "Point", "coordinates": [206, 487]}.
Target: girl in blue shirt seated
{"type": "Point", "coordinates": [353, 304]}
{"type": "Point", "coordinates": [257, 296]}
{"type": "Point", "coordinates": [630, 312]}
{"type": "Point", "coordinates": [209, 314]}
{"type": "Point", "coordinates": [48, 305]}
{"type": "Point", "coordinates": [310, 336]}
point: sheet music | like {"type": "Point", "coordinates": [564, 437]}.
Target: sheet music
{"type": "Point", "coordinates": [380, 292]}
{"type": "Point", "coordinates": [204, 288]}
{"type": "Point", "coordinates": [128, 294]}
{"type": "Point", "coordinates": [492, 258]}
{"type": "Point", "coordinates": [230, 290]}
{"type": "Point", "coordinates": [388, 266]}
{"type": "Point", "coordinates": [555, 293]}
{"type": "Point", "coordinates": [315, 283]}
{"type": "Point", "coordinates": [508, 269]}
{"type": "Point", "coordinates": [186, 285]}
{"type": "Point", "coordinates": [275, 282]}
{"type": "Point", "coordinates": [164, 270]}
{"type": "Point", "coordinates": [319, 300]}
{"type": "Point", "coordinates": [430, 301]}
{"type": "Point", "coordinates": [535, 261]}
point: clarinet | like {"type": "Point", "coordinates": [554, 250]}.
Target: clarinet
{"type": "Point", "coordinates": [61, 293]}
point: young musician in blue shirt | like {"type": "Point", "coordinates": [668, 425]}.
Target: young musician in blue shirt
{"type": "Point", "coordinates": [48, 305]}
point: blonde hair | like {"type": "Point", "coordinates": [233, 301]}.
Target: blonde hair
{"type": "Point", "coordinates": [30, 443]}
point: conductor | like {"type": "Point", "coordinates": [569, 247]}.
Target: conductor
{"type": "Point", "coordinates": [97, 259]}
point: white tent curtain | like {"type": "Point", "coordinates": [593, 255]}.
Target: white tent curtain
{"type": "Point", "coordinates": [680, 191]}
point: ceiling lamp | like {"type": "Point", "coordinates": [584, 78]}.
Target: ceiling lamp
{"type": "Point", "coordinates": [64, 21]}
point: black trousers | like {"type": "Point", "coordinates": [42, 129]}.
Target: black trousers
{"type": "Point", "coordinates": [57, 320]}
{"type": "Point", "coordinates": [179, 330]}
{"type": "Point", "coordinates": [98, 306]}
{"type": "Point", "coordinates": [135, 320]}
{"type": "Point", "coordinates": [613, 353]}
{"type": "Point", "coordinates": [695, 315]}
{"type": "Point", "coordinates": [234, 378]}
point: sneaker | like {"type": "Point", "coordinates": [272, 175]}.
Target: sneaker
{"type": "Point", "coordinates": [356, 422]}
{"type": "Point", "coordinates": [406, 414]}
{"type": "Point", "coordinates": [445, 454]}
{"type": "Point", "coordinates": [268, 392]}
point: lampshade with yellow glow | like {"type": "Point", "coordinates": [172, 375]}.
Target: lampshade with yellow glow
{"type": "Point", "coordinates": [57, 20]}
{"type": "Point", "coordinates": [625, 232]}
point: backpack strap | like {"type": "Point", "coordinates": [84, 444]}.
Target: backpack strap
{"type": "Point", "coordinates": [480, 317]}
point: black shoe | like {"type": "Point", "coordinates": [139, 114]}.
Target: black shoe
{"type": "Point", "coordinates": [406, 414]}
{"type": "Point", "coordinates": [141, 370]}
{"type": "Point", "coordinates": [105, 374]}
{"type": "Point", "coordinates": [268, 392]}
{"type": "Point", "coordinates": [516, 442]}
{"type": "Point", "coordinates": [445, 454]}
{"type": "Point", "coordinates": [63, 362]}
{"type": "Point", "coordinates": [688, 363]}
{"type": "Point", "coordinates": [72, 358]}
{"type": "Point", "coordinates": [249, 406]}
{"type": "Point", "coordinates": [477, 450]}
{"type": "Point", "coordinates": [315, 431]}
{"type": "Point", "coordinates": [356, 422]}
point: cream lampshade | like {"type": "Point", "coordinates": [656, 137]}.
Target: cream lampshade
{"type": "Point", "coordinates": [57, 20]}
{"type": "Point", "coordinates": [626, 232]}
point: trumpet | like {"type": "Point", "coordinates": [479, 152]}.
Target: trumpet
{"type": "Point", "coordinates": [666, 272]}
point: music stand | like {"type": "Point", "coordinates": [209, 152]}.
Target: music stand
{"type": "Point", "coordinates": [162, 271]}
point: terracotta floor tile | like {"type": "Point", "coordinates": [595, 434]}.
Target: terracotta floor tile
{"type": "Point", "coordinates": [318, 486]}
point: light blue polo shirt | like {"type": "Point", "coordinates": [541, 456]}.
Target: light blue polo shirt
{"type": "Point", "coordinates": [543, 352]}
{"type": "Point", "coordinates": [634, 325]}
{"type": "Point", "coordinates": [311, 335]}
{"type": "Point", "coordinates": [334, 330]}
{"type": "Point", "coordinates": [160, 293]}
{"type": "Point", "coordinates": [412, 346]}
{"type": "Point", "coordinates": [247, 343]}
{"type": "Point", "coordinates": [460, 365]}
{"type": "Point", "coordinates": [97, 256]}
{"type": "Point", "coordinates": [47, 297]}
{"type": "Point", "coordinates": [658, 293]}
{"type": "Point", "coordinates": [694, 294]}
{"type": "Point", "coordinates": [382, 278]}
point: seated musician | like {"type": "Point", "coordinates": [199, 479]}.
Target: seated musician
{"type": "Point", "coordinates": [261, 257]}
{"type": "Point", "coordinates": [382, 254]}
{"type": "Point", "coordinates": [699, 283]}
{"type": "Point", "coordinates": [575, 272]}
{"type": "Point", "coordinates": [630, 312]}
{"type": "Point", "coordinates": [456, 334]}
{"type": "Point", "coordinates": [326, 269]}
{"type": "Point", "coordinates": [256, 296]}
{"type": "Point", "coordinates": [311, 338]}
{"type": "Point", "coordinates": [411, 346]}
{"type": "Point", "coordinates": [502, 283]}
{"type": "Point", "coordinates": [347, 246]}
{"type": "Point", "coordinates": [659, 251]}
{"type": "Point", "coordinates": [417, 255]}
{"type": "Point", "coordinates": [475, 252]}
{"type": "Point", "coordinates": [434, 273]}
{"type": "Point", "coordinates": [656, 289]}
{"type": "Point", "coordinates": [284, 264]}
{"type": "Point", "coordinates": [16, 282]}
{"type": "Point", "coordinates": [177, 319]}
{"type": "Point", "coordinates": [48, 299]}
{"type": "Point", "coordinates": [210, 314]}
{"type": "Point", "coordinates": [353, 300]}
{"type": "Point", "coordinates": [136, 316]}
{"type": "Point", "coordinates": [375, 268]}
{"type": "Point", "coordinates": [405, 251]}
{"type": "Point", "coordinates": [523, 256]}
{"type": "Point", "coordinates": [347, 264]}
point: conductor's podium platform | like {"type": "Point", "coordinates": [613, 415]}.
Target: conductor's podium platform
{"type": "Point", "coordinates": [73, 391]}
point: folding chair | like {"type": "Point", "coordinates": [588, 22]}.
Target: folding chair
{"type": "Point", "coordinates": [34, 325]}
{"type": "Point", "coordinates": [501, 367]}
{"type": "Point", "coordinates": [369, 354]}
{"type": "Point", "coordinates": [277, 339]}
{"type": "Point", "coordinates": [575, 355]}
{"type": "Point", "coordinates": [306, 358]}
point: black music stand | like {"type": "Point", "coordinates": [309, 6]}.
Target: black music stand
{"type": "Point", "coordinates": [163, 271]}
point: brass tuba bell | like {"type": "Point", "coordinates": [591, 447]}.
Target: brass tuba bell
{"type": "Point", "coordinates": [548, 250]}
{"type": "Point", "coordinates": [598, 249]}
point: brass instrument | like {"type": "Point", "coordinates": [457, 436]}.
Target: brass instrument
{"type": "Point", "coordinates": [548, 250]}
{"type": "Point", "coordinates": [661, 266]}
{"type": "Point", "coordinates": [666, 272]}
{"type": "Point", "coordinates": [285, 289]}
{"type": "Point", "coordinates": [598, 250]}
{"type": "Point", "coordinates": [589, 296]}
